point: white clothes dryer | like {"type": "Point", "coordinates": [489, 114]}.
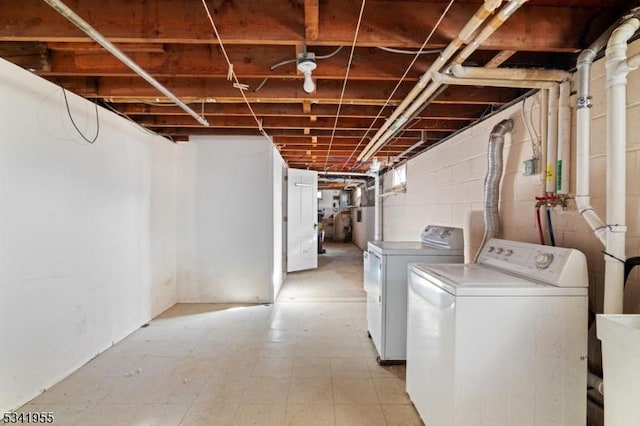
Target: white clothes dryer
{"type": "Point", "coordinates": [385, 281]}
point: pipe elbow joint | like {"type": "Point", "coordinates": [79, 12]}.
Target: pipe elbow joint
{"type": "Point", "coordinates": [458, 70]}
{"type": "Point", "coordinates": [503, 127]}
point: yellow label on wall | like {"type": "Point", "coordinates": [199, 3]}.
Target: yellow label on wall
{"type": "Point", "coordinates": [549, 173]}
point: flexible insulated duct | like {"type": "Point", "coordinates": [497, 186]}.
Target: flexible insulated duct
{"type": "Point", "coordinates": [492, 181]}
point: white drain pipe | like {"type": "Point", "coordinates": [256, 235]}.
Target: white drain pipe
{"type": "Point", "coordinates": [510, 73]}
{"type": "Point", "coordinates": [617, 67]}
{"type": "Point", "coordinates": [377, 217]}
{"type": "Point", "coordinates": [583, 135]}
{"type": "Point", "coordinates": [552, 140]}
{"type": "Point", "coordinates": [564, 136]}
{"type": "Point", "coordinates": [441, 78]}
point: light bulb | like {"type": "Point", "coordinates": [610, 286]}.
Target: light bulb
{"type": "Point", "coordinates": [309, 86]}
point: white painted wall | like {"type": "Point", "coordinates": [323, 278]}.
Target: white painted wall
{"type": "Point", "coordinates": [445, 186]}
{"type": "Point", "coordinates": [363, 230]}
{"type": "Point", "coordinates": [279, 197]}
{"type": "Point", "coordinates": [226, 220]}
{"type": "Point", "coordinates": [87, 233]}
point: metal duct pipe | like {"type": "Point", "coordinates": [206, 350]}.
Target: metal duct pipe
{"type": "Point", "coordinates": [463, 37]}
{"type": "Point", "coordinates": [75, 19]}
{"type": "Point", "coordinates": [492, 182]}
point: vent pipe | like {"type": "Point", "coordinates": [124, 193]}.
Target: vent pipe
{"type": "Point", "coordinates": [492, 182]}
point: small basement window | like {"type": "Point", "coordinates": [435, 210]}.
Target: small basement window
{"type": "Point", "coordinates": [399, 174]}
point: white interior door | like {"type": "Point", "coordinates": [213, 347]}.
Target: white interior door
{"type": "Point", "coordinates": [302, 220]}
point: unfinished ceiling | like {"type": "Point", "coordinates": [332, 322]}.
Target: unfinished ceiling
{"type": "Point", "coordinates": [360, 76]}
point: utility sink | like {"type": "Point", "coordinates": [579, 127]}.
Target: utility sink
{"type": "Point", "coordinates": [620, 336]}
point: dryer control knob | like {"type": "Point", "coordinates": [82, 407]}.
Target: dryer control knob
{"type": "Point", "coordinates": [499, 251]}
{"type": "Point", "coordinates": [490, 249]}
{"type": "Point", "coordinates": [508, 253]}
{"type": "Point", "coordinates": [544, 260]}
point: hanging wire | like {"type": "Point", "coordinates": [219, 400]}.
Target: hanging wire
{"type": "Point", "coordinates": [395, 89]}
{"type": "Point", "coordinates": [232, 74]}
{"type": "Point", "coordinates": [289, 61]}
{"type": "Point", "coordinates": [344, 83]}
{"type": "Point", "coordinates": [528, 124]}
{"type": "Point", "coordinates": [66, 103]}
{"type": "Point", "coordinates": [539, 226]}
{"type": "Point", "coordinates": [552, 238]}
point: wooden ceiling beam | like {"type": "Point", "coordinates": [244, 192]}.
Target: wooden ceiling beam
{"type": "Point", "coordinates": [385, 23]}
{"type": "Point", "coordinates": [288, 123]}
{"type": "Point", "coordinates": [91, 47]}
{"type": "Point", "coordinates": [456, 112]}
{"type": "Point", "coordinates": [311, 19]}
{"type": "Point", "coordinates": [275, 133]}
{"type": "Point", "coordinates": [249, 62]}
{"type": "Point", "coordinates": [327, 92]}
{"type": "Point", "coordinates": [31, 55]}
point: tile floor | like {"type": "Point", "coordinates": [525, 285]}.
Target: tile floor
{"type": "Point", "coordinates": [305, 360]}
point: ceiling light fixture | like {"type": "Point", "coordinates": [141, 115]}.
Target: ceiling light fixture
{"type": "Point", "coordinates": [306, 63]}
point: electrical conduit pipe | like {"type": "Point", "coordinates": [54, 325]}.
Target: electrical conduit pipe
{"type": "Point", "coordinates": [463, 37]}
{"type": "Point", "coordinates": [617, 68]}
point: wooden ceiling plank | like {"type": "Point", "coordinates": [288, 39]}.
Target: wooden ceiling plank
{"type": "Point", "coordinates": [276, 22]}
{"type": "Point", "coordinates": [249, 62]}
{"type": "Point", "coordinates": [454, 112]}
{"type": "Point", "coordinates": [500, 58]}
{"type": "Point", "coordinates": [288, 123]}
{"type": "Point", "coordinates": [92, 47]}
{"type": "Point", "coordinates": [311, 19]}
{"type": "Point", "coordinates": [357, 92]}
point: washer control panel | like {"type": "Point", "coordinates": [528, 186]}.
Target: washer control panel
{"type": "Point", "coordinates": [443, 237]}
{"type": "Point", "coordinates": [553, 265]}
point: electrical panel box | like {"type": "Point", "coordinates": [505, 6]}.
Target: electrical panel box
{"type": "Point", "coordinates": [530, 167]}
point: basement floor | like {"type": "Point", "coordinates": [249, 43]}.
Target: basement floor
{"type": "Point", "coordinates": [305, 360]}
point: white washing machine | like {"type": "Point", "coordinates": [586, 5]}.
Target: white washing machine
{"type": "Point", "coordinates": [385, 281]}
{"type": "Point", "coordinates": [500, 342]}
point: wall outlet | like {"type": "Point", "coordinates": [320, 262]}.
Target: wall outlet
{"type": "Point", "coordinates": [530, 167]}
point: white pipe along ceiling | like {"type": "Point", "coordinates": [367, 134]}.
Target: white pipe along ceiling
{"type": "Point", "coordinates": [463, 37]}
{"type": "Point", "coordinates": [406, 114]}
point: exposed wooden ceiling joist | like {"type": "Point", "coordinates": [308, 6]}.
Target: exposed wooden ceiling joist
{"type": "Point", "coordinates": [173, 41]}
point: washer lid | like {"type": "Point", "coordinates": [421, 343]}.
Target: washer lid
{"type": "Point", "coordinates": [482, 280]}
{"type": "Point", "coordinates": [411, 248]}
